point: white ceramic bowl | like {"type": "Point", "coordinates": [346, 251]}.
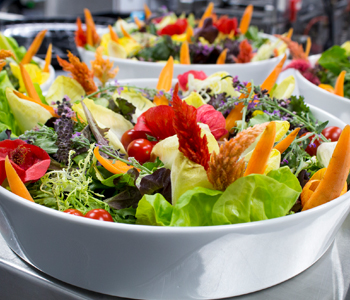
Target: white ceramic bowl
{"type": "Point", "coordinates": [46, 85]}
{"type": "Point", "coordinates": [256, 71]}
{"type": "Point", "coordinates": [147, 262]}
{"type": "Point", "coordinates": [336, 105]}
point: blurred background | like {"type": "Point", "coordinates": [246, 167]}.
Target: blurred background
{"type": "Point", "coordinates": [325, 21]}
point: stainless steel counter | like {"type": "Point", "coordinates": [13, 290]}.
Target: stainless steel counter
{"type": "Point", "coordinates": [327, 279]}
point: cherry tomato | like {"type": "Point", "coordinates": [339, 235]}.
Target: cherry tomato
{"type": "Point", "coordinates": [74, 212]}
{"type": "Point", "coordinates": [99, 214]}
{"type": "Point", "coordinates": [312, 148]}
{"type": "Point", "coordinates": [132, 135]}
{"type": "Point", "coordinates": [332, 133]}
{"type": "Point", "coordinates": [141, 150]}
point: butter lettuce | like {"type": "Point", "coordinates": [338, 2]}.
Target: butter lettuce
{"type": "Point", "coordinates": [285, 89]}
{"type": "Point", "coordinates": [64, 86]}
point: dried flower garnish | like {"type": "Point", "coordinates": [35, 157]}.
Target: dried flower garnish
{"type": "Point", "coordinates": [296, 50]}
{"type": "Point", "coordinates": [4, 54]}
{"type": "Point", "coordinates": [245, 53]}
{"type": "Point", "coordinates": [102, 68]}
{"type": "Point", "coordinates": [227, 166]}
{"type": "Point", "coordinates": [80, 72]}
{"type": "Point", "coordinates": [191, 144]}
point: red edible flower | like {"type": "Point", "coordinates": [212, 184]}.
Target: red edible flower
{"type": "Point", "coordinates": [225, 25]}
{"type": "Point", "coordinates": [179, 27]}
{"type": "Point", "coordinates": [191, 144]}
{"type": "Point", "coordinates": [245, 53]}
{"type": "Point", "coordinates": [29, 161]}
{"type": "Point", "coordinates": [80, 35]}
{"type": "Point", "coordinates": [183, 78]}
{"type": "Point", "coordinates": [157, 122]}
{"type": "Point", "coordinates": [305, 68]}
{"type": "Point", "coordinates": [214, 119]}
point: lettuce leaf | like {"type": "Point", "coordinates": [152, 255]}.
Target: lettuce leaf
{"type": "Point", "coordinates": [257, 197]}
{"type": "Point", "coordinates": [335, 60]}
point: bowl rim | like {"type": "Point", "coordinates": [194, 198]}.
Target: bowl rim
{"type": "Point", "coordinates": [314, 86]}
{"type": "Point", "coordinates": [258, 225]}
{"type": "Point", "coordinates": [197, 66]}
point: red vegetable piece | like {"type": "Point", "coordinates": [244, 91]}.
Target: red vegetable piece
{"type": "Point", "coordinates": [179, 27]}
{"type": "Point", "coordinates": [183, 78]}
{"type": "Point", "coordinates": [141, 150]}
{"type": "Point", "coordinates": [225, 25]}
{"type": "Point", "coordinates": [99, 214]}
{"type": "Point", "coordinates": [75, 212]}
{"type": "Point", "coordinates": [132, 135]}
{"type": "Point", "coordinates": [332, 133]}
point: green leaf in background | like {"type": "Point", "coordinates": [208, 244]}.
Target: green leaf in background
{"type": "Point", "coordinates": [259, 119]}
{"type": "Point", "coordinates": [335, 60]}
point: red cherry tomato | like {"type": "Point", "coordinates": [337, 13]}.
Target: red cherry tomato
{"type": "Point", "coordinates": [99, 214]}
{"type": "Point", "coordinates": [130, 136]}
{"type": "Point", "coordinates": [332, 133]}
{"type": "Point", "coordinates": [74, 212]}
{"type": "Point", "coordinates": [311, 148]}
{"type": "Point", "coordinates": [141, 150]}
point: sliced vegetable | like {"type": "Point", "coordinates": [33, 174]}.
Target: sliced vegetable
{"type": "Point", "coordinates": [271, 79]}
{"type": "Point", "coordinates": [285, 143]}
{"type": "Point", "coordinates": [34, 47]}
{"type": "Point", "coordinates": [222, 57]}
{"type": "Point", "coordinates": [185, 54]}
{"type": "Point", "coordinates": [48, 59]}
{"type": "Point", "coordinates": [245, 21]}
{"type": "Point", "coordinates": [339, 85]}
{"type": "Point", "coordinates": [118, 167]}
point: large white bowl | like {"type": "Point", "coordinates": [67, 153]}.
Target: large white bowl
{"type": "Point", "coordinates": [147, 262]}
{"type": "Point", "coordinates": [46, 85]}
{"type": "Point", "coordinates": [336, 105]}
{"type": "Point", "coordinates": [256, 71]}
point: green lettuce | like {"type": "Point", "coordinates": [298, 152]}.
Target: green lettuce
{"type": "Point", "coordinates": [251, 198]}
{"type": "Point", "coordinates": [335, 60]}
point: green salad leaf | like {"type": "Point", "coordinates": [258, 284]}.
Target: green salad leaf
{"type": "Point", "coordinates": [335, 60]}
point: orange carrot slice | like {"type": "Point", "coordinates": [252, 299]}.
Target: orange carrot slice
{"type": "Point", "coordinates": [245, 21]}
{"type": "Point", "coordinates": [271, 79]}
{"type": "Point", "coordinates": [118, 167]}
{"type": "Point", "coordinates": [326, 87]}
{"type": "Point", "coordinates": [16, 184]}
{"type": "Point", "coordinates": [207, 14]}
{"type": "Point", "coordinates": [34, 47]}
{"type": "Point", "coordinates": [339, 85]}
{"type": "Point", "coordinates": [222, 57]}
{"type": "Point", "coordinates": [47, 107]}
{"type": "Point", "coordinates": [290, 33]}
{"type": "Point", "coordinates": [185, 54]}
{"type": "Point", "coordinates": [166, 76]}
{"type": "Point", "coordinates": [308, 46]}
{"type": "Point", "coordinates": [29, 84]}
{"type": "Point", "coordinates": [113, 34]}
{"type": "Point", "coordinates": [336, 174]}
{"type": "Point", "coordinates": [138, 22]}
{"type": "Point", "coordinates": [285, 143]}
{"type": "Point", "coordinates": [48, 59]}
{"type": "Point", "coordinates": [260, 156]}
{"type": "Point", "coordinates": [189, 34]}
{"type": "Point", "coordinates": [148, 12]}
{"type": "Point", "coordinates": [90, 27]}
{"type": "Point", "coordinates": [125, 33]}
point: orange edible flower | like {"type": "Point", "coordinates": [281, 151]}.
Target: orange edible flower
{"type": "Point", "coordinates": [245, 53]}
{"type": "Point", "coordinates": [296, 50]}
{"type": "Point", "coordinates": [102, 68]}
{"type": "Point", "coordinates": [80, 72]}
{"type": "Point", "coordinates": [4, 54]}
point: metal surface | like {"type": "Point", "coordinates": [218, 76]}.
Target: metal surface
{"type": "Point", "coordinates": [329, 278]}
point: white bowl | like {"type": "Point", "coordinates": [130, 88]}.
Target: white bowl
{"type": "Point", "coordinates": [336, 105]}
{"type": "Point", "coordinates": [46, 85]}
{"type": "Point", "coordinates": [256, 71]}
{"type": "Point", "coordinates": [147, 262]}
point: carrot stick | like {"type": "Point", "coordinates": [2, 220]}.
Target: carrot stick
{"type": "Point", "coordinates": [236, 113]}
{"type": "Point", "coordinates": [48, 59]}
{"type": "Point", "coordinates": [125, 33]}
{"type": "Point", "coordinates": [189, 34]}
{"type": "Point", "coordinates": [148, 12]}
{"type": "Point", "coordinates": [160, 100]}
{"type": "Point", "coordinates": [339, 85]}
{"type": "Point", "coordinates": [285, 143]}
{"type": "Point", "coordinates": [89, 38]}
{"type": "Point", "coordinates": [222, 57]}
{"type": "Point", "coordinates": [166, 76]}
{"type": "Point", "coordinates": [113, 34]}
{"type": "Point", "coordinates": [118, 167]}
{"type": "Point", "coordinates": [34, 47]}
{"type": "Point", "coordinates": [336, 174]}
{"type": "Point", "coordinates": [138, 22]}
{"type": "Point", "coordinates": [90, 27]}
{"type": "Point", "coordinates": [47, 107]}
{"type": "Point", "coordinates": [245, 21]}
{"type": "Point", "coordinates": [271, 79]}
{"type": "Point", "coordinates": [185, 54]}
{"type": "Point", "coordinates": [16, 184]}
{"type": "Point", "coordinates": [207, 14]}
{"type": "Point", "coordinates": [290, 33]}
{"type": "Point", "coordinates": [308, 46]}
{"type": "Point", "coordinates": [258, 162]}
{"type": "Point", "coordinates": [231, 35]}
{"type": "Point", "coordinates": [326, 87]}
{"type": "Point", "coordinates": [29, 85]}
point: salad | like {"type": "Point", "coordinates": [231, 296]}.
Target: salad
{"type": "Point", "coordinates": [214, 151]}
{"type": "Point", "coordinates": [210, 40]}
{"type": "Point", "coordinates": [330, 72]}
{"type": "Point", "coordinates": [38, 73]}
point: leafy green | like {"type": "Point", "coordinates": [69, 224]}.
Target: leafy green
{"type": "Point", "coordinates": [259, 119]}
{"type": "Point", "coordinates": [252, 34]}
{"type": "Point", "coordinates": [335, 60]}
{"type": "Point", "coordinates": [124, 108]}
{"type": "Point", "coordinates": [160, 51]}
